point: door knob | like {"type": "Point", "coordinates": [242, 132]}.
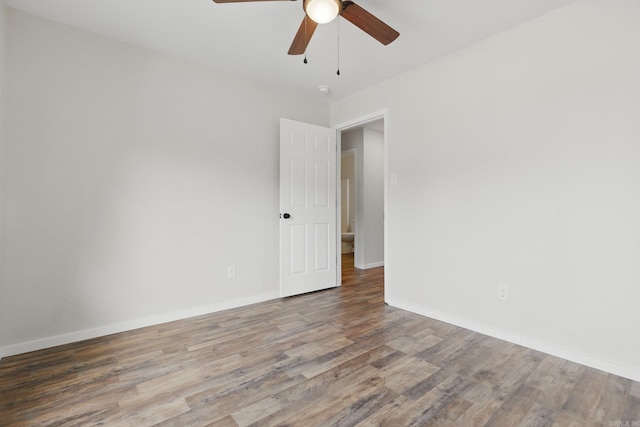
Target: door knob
{"type": "Point", "coordinates": [287, 216]}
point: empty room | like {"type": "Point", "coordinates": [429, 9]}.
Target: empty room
{"type": "Point", "coordinates": [320, 213]}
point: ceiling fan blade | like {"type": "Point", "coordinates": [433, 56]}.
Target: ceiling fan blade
{"type": "Point", "coordinates": [301, 40]}
{"type": "Point", "coordinates": [243, 1]}
{"type": "Point", "coordinates": [368, 23]}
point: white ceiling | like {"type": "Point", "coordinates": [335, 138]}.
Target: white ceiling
{"type": "Point", "coordinates": [251, 40]}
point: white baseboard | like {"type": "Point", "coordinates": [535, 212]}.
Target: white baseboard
{"type": "Point", "coordinates": [370, 265]}
{"type": "Point", "coordinates": [632, 373]}
{"type": "Point", "coordinates": [39, 344]}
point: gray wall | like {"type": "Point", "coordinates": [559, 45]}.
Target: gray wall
{"type": "Point", "coordinates": [3, 37]}
{"type": "Point", "coordinates": [518, 164]}
{"type": "Point", "coordinates": [132, 180]}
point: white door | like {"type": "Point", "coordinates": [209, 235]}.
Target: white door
{"type": "Point", "coordinates": [307, 208]}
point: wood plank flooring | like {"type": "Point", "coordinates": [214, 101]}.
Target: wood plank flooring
{"type": "Point", "coordinates": [333, 358]}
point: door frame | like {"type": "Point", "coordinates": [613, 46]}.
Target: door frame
{"type": "Point", "coordinates": [344, 126]}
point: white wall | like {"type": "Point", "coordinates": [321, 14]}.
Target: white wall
{"type": "Point", "coordinates": [3, 37]}
{"type": "Point", "coordinates": [133, 180]}
{"type": "Point", "coordinates": [373, 198]}
{"type": "Point", "coordinates": [518, 163]}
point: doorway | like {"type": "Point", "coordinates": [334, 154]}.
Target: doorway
{"type": "Point", "coordinates": [309, 168]}
{"type": "Point", "coordinates": [362, 211]}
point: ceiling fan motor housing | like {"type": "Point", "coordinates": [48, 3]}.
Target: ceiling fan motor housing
{"type": "Point", "coordinates": [322, 11]}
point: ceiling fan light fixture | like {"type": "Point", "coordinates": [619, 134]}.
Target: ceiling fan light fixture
{"type": "Point", "coordinates": [322, 11]}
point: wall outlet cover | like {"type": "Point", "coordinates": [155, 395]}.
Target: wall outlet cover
{"type": "Point", "coordinates": [231, 272]}
{"type": "Point", "coordinates": [503, 292]}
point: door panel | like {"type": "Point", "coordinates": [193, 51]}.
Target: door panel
{"type": "Point", "coordinates": [308, 194]}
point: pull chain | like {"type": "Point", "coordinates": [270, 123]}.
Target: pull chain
{"type": "Point", "coordinates": [305, 39]}
{"type": "Point", "coordinates": [338, 72]}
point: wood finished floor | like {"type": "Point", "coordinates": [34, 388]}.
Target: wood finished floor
{"type": "Point", "coordinates": [337, 357]}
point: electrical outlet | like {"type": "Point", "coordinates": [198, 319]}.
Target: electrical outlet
{"type": "Point", "coordinates": [231, 272]}
{"type": "Point", "coordinates": [503, 292]}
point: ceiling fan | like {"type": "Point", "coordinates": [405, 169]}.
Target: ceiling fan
{"type": "Point", "coordinates": [325, 11]}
